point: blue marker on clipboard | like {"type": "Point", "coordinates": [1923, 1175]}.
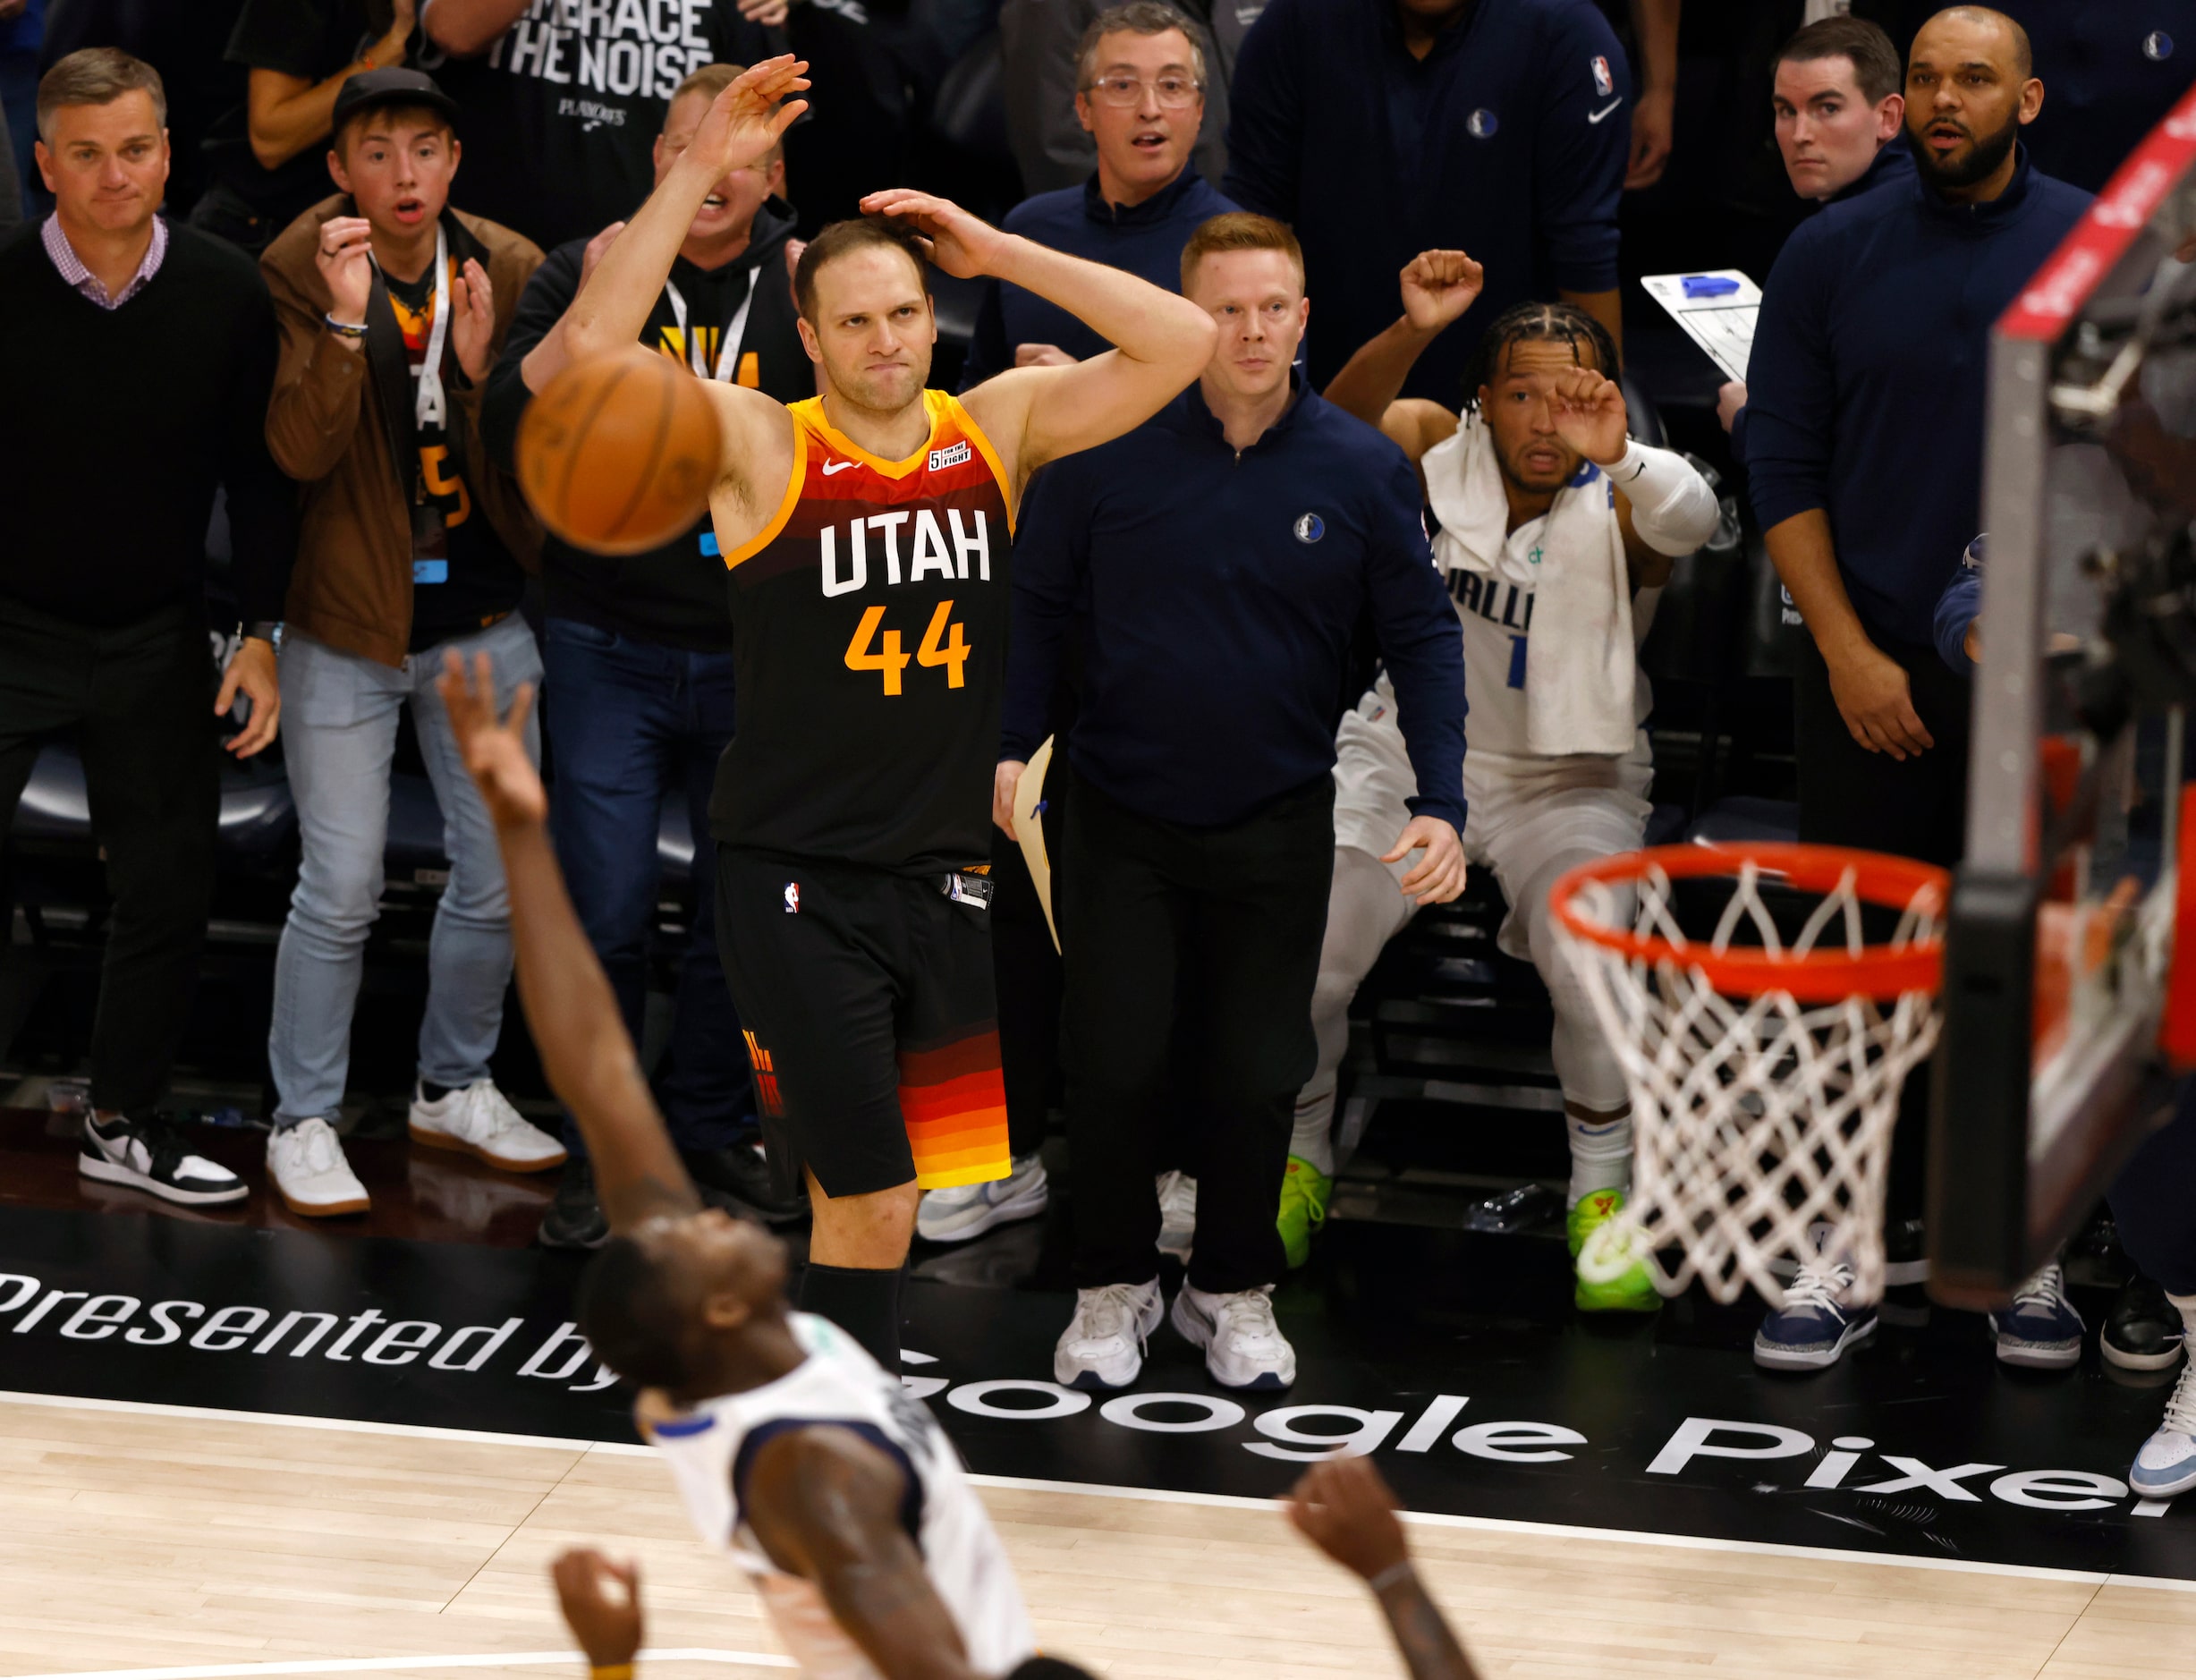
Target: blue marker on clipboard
{"type": "Point", "coordinates": [1710, 285]}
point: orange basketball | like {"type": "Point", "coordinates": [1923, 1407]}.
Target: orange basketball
{"type": "Point", "coordinates": [617, 456]}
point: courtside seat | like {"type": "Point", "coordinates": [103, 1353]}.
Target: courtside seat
{"type": "Point", "coordinates": [258, 814]}
{"type": "Point", "coordinates": [1744, 817]}
{"type": "Point", "coordinates": [674, 849]}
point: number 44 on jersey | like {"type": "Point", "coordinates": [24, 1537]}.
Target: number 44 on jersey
{"type": "Point", "coordinates": [942, 645]}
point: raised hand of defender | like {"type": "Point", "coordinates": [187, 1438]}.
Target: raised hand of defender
{"type": "Point", "coordinates": [601, 1602]}
{"type": "Point", "coordinates": [494, 749]}
{"type": "Point", "coordinates": [1438, 286]}
{"type": "Point", "coordinates": [472, 320]}
{"type": "Point", "coordinates": [749, 117]}
{"type": "Point", "coordinates": [1589, 413]}
{"type": "Point", "coordinates": [963, 245]}
{"type": "Point", "coordinates": [1343, 1507]}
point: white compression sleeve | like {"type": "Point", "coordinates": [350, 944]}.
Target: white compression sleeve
{"type": "Point", "coordinates": [1673, 509]}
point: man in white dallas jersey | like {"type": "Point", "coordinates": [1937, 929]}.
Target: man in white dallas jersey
{"type": "Point", "coordinates": [793, 1450]}
{"type": "Point", "coordinates": [1545, 505]}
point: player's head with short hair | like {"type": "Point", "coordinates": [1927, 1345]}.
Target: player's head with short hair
{"type": "Point", "coordinates": [1247, 272]}
{"type": "Point", "coordinates": [662, 1305]}
{"type": "Point", "coordinates": [1837, 103]}
{"type": "Point", "coordinates": [1140, 91]}
{"type": "Point", "coordinates": [727, 215]}
{"type": "Point", "coordinates": [1970, 88]}
{"type": "Point", "coordinates": [863, 289]}
{"type": "Point", "coordinates": [1507, 382]}
{"type": "Point", "coordinates": [103, 144]}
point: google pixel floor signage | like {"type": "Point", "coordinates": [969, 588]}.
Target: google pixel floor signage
{"type": "Point", "coordinates": [1940, 1456]}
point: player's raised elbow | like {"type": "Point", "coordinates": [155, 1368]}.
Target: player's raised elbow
{"type": "Point", "coordinates": [1181, 337]}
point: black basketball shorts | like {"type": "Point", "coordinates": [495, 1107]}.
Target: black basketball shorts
{"type": "Point", "coordinates": [868, 1004]}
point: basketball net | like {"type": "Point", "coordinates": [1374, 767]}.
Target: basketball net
{"type": "Point", "coordinates": [1765, 1076]}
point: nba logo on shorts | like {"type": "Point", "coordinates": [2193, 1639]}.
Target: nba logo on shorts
{"type": "Point", "coordinates": [793, 898]}
{"type": "Point", "coordinates": [1309, 528]}
{"type": "Point", "coordinates": [1605, 84]}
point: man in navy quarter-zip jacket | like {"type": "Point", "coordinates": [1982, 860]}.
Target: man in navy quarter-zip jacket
{"type": "Point", "coordinates": [1865, 460]}
{"type": "Point", "coordinates": [1865, 431]}
{"type": "Point", "coordinates": [1379, 128]}
{"type": "Point", "coordinates": [1214, 565]}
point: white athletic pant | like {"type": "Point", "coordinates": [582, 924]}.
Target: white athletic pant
{"type": "Point", "coordinates": [1529, 828]}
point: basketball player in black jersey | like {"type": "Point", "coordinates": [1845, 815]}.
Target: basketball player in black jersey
{"type": "Point", "coordinates": [867, 534]}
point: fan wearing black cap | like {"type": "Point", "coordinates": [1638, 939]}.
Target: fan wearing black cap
{"type": "Point", "coordinates": [392, 308]}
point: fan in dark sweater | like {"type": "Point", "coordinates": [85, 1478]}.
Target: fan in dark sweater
{"type": "Point", "coordinates": [138, 362]}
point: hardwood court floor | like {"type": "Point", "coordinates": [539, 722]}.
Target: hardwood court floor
{"type": "Point", "coordinates": [166, 1540]}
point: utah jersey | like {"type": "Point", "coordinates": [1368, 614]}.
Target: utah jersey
{"type": "Point", "coordinates": [868, 645]}
{"type": "Point", "coordinates": [711, 1450]}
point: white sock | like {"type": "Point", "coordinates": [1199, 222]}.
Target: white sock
{"type": "Point", "coordinates": [1600, 1156]}
{"type": "Point", "coordinates": [1314, 1140]}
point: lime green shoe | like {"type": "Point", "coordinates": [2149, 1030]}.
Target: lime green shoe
{"type": "Point", "coordinates": [1633, 1291]}
{"type": "Point", "coordinates": [1305, 1192]}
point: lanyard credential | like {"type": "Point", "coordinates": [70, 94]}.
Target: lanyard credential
{"type": "Point", "coordinates": [728, 347]}
{"type": "Point", "coordinates": [429, 407]}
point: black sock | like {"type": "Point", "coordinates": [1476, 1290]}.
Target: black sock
{"type": "Point", "coordinates": [863, 1301]}
{"type": "Point", "coordinates": [432, 1093]}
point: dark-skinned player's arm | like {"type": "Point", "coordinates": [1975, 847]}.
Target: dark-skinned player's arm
{"type": "Point", "coordinates": [570, 1008]}
{"type": "Point", "coordinates": [1344, 1508]}
{"type": "Point", "coordinates": [1438, 287]}
{"type": "Point", "coordinates": [1032, 415]}
{"type": "Point", "coordinates": [826, 1506]}
{"type": "Point", "coordinates": [745, 121]}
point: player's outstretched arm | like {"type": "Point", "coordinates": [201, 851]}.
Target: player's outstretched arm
{"type": "Point", "coordinates": [1438, 287]}
{"type": "Point", "coordinates": [1344, 1508]}
{"type": "Point", "coordinates": [826, 1505]}
{"type": "Point", "coordinates": [1033, 415]}
{"type": "Point", "coordinates": [569, 1005]}
{"type": "Point", "coordinates": [743, 125]}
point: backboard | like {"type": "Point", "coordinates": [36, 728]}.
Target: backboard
{"type": "Point", "coordinates": [2059, 953]}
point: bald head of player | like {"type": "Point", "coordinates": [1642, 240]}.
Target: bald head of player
{"type": "Point", "coordinates": [692, 1304]}
{"type": "Point", "coordinates": [864, 294]}
{"type": "Point", "coordinates": [1970, 90]}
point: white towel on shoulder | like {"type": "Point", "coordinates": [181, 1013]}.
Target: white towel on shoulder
{"type": "Point", "coordinates": [1580, 668]}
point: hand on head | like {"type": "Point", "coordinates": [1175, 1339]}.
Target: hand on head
{"type": "Point", "coordinates": [962, 244]}
{"type": "Point", "coordinates": [601, 1602]}
{"type": "Point", "coordinates": [1438, 286]}
{"type": "Point", "coordinates": [494, 751]}
{"type": "Point", "coordinates": [1344, 1507]}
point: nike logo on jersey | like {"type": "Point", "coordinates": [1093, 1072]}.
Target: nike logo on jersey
{"type": "Point", "coordinates": [831, 467]}
{"type": "Point", "coordinates": [1591, 116]}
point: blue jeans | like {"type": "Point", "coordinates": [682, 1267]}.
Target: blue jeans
{"type": "Point", "coordinates": [628, 721]}
{"type": "Point", "coordinates": [339, 736]}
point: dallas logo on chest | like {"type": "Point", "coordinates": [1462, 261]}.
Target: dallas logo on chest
{"type": "Point", "coordinates": [932, 550]}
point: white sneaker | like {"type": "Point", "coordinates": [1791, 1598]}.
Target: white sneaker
{"type": "Point", "coordinates": [147, 1154]}
{"type": "Point", "coordinates": [1102, 1345]}
{"type": "Point", "coordinates": [307, 1167]}
{"type": "Point", "coordinates": [969, 1210]}
{"type": "Point", "coordinates": [1243, 1346]}
{"type": "Point", "coordinates": [476, 1120]}
{"type": "Point", "coordinates": [2166, 1464]}
{"type": "Point", "coordinates": [1177, 1215]}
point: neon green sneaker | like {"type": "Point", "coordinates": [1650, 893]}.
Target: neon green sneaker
{"type": "Point", "coordinates": [1305, 1192]}
{"type": "Point", "coordinates": [1633, 1291]}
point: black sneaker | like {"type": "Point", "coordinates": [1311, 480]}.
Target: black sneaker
{"type": "Point", "coordinates": [575, 1216]}
{"type": "Point", "coordinates": [149, 1154]}
{"type": "Point", "coordinates": [741, 1174]}
{"type": "Point", "coordinates": [2142, 1332]}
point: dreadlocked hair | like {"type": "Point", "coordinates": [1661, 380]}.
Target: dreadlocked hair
{"type": "Point", "coordinates": [1556, 323]}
